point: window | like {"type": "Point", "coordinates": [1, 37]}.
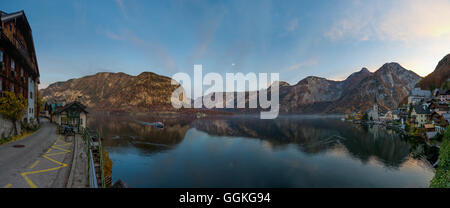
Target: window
{"type": "Point", "coordinates": [31, 95]}
{"type": "Point", "coordinates": [20, 44]}
{"type": "Point", "coordinates": [13, 68]}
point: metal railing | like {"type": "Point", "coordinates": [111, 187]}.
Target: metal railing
{"type": "Point", "coordinates": [102, 169]}
{"type": "Point", "coordinates": [92, 175]}
{"type": "Point", "coordinates": [87, 137]}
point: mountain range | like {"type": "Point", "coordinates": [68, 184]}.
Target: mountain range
{"type": "Point", "coordinates": [386, 86]}
{"type": "Point", "coordinates": [150, 92]}
{"type": "Point", "coordinates": [315, 95]}
{"type": "Point", "coordinates": [115, 91]}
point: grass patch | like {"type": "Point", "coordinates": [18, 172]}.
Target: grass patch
{"type": "Point", "coordinates": [442, 177]}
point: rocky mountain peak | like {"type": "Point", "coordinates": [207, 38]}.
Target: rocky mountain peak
{"type": "Point", "coordinates": [364, 72]}
{"type": "Point", "coordinates": [444, 61]}
{"type": "Point", "coordinates": [311, 80]}
{"type": "Point", "coordinates": [390, 67]}
{"type": "Point", "coordinates": [146, 73]}
{"type": "Point", "coordinates": [116, 91]}
{"type": "Point", "coordinates": [439, 77]}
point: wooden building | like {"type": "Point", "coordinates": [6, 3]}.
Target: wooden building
{"type": "Point", "coordinates": [19, 72]}
{"type": "Point", "coordinates": [73, 114]}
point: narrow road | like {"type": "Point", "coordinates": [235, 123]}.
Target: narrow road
{"type": "Point", "coordinates": [43, 161]}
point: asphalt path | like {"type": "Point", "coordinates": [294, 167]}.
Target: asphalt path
{"type": "Point", "coordinates": [41, 160]}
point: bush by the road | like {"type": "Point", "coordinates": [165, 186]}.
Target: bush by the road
{"type": "Point", "coordinates": [442, 177]}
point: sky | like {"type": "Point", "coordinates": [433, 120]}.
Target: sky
{"type": "Point", "coordinates": [331, 39]}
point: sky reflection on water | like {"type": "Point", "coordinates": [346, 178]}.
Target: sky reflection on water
{"type": "Point", "coordinates": [248, 152]}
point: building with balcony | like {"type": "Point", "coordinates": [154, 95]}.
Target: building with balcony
{"type": "Point", "coordinates": [19, 72]}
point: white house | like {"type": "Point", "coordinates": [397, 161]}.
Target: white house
{"type": "Point", "coordinates": [420, 113]}
{"type": "Point", "coordinates": [416, 95]}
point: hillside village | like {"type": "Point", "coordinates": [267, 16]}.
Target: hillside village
{"type": "Point", "coordinates": [425, 114]}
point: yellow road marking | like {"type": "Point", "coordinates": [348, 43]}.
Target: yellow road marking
{"type": "Point", "coordinates": [53, 160]}
{"type": "Point", "coordinates": [57, 153]}
{"type": "Point", "coordinates": [34, 164]}
{"type": "Point", "coordinates": [29, 181]}
{"type": "Point", "coordinates": [59, 148]}
{"type": "Point", "coordinates": [40, 171]}
{"type": "Point", "coordinates": [63, 142]}
{"type": "Point", "coordinates": [46, 156]}
{"type": "Point", "coordinates": [7, 186]}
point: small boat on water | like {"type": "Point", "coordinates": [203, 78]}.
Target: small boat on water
{"type": "Point", "coordinates": [159, 125]}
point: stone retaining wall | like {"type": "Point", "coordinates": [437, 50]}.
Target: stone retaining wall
{"type": "Point", "coordinates": [7, 127]}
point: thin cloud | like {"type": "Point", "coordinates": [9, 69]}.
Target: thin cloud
{"type": "Point", "coordinates": [405, 20]}
{"type": "Point", "coordinates": [121, 5]}
{"type": "Point", "coordinates": [154, 50]}
{"type": "Point", "coordinates": [206, 32]}
{"type": "Point", "coordinates": [292, 25]}
{"type": "Point", "coordinates": [207, 39]}
{"type": "Point", "coordinates": [418, 19]}
{"type": "Point", "coordinates": [298, 66]}
{"type": "Point", "coordinates": [112, 35]}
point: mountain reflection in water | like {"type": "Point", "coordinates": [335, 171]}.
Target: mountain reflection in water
{"type": "Point", "coordinates": [292, 151]}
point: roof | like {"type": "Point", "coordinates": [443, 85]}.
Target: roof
{"type": "Point", "coordinates": [66, 107]}
{"type": "Point", "coordinates": [431, 135]}
{"type": "Point", "coordinates": [444, 92]}
{"type": "Point", "coordinates": [5, 17]}
{"type": "Point", "coordinates": [443, 107]}
{"type": "Point", "coordinates": [420, 93]}
{"type": "Point", "coordinates": [446, 116]}
{"type": "Point", "coordinates": [396, 112]}
{"type": "Point", "coordinates": [421, 109]}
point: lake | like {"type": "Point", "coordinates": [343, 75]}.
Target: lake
{"type": "Point", "coordinates": [244, 151]}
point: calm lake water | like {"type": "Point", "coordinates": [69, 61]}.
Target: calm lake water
{"type": "Point", "coordinates": [293, 151]}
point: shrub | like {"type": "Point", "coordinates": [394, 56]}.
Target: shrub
{"type": "Point", "coordinates": [442, 177]}
{"type": "Point", "coordinates": [12, 107]}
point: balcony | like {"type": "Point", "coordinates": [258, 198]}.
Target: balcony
{"type": "Point", "coordinates": [18, 53]}
{"type": "Point", "coordinates": [21, 48]}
